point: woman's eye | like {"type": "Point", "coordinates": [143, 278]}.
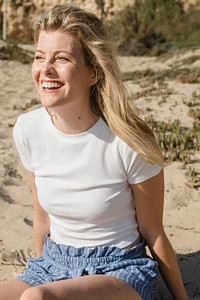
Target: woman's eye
{"type": "Point", "coordinates": [62, 58]}
{"type": "Point", "coordinates": [38, 57]}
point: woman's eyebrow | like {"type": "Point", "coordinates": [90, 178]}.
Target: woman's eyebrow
{"type": "Point", "coordinates": [71, 55]}
{"type": "Point", "coordinates": [57, 51]}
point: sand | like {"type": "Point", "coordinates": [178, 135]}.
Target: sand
{"type": "Point", "coordinates": [182, 201]}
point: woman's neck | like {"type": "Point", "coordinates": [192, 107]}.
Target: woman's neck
{"type": "Point", "coordinates": [73, 123]}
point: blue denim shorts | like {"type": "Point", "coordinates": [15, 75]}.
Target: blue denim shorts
{"type": "Point", "coordinates": [59, 262]}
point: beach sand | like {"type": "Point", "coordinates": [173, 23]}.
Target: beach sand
{"type": "Point", "coordinates": [182, 202]}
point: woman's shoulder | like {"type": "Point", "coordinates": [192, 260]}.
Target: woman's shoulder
{"type": "Point", "coordinates": [29, 121]}
{"type": "Point", "coordinates": [31, 115]}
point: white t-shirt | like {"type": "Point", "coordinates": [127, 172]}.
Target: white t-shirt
{"type": "Point", "coordinates": [82, 180]}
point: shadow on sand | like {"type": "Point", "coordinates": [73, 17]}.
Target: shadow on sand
{"type": "Point", "coordinates": [190, 269]}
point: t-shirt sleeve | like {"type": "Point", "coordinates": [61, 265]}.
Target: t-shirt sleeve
{"type": "Point", "coordinates": [21, 145]}
{"type": "Point", "coordinates": [138, 169]}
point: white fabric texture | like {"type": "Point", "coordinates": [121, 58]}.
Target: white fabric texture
{"type": "Point", "coordinates": [82, 180]}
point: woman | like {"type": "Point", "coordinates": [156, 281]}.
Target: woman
{"type": "Point", "coordinates": [95, 171]}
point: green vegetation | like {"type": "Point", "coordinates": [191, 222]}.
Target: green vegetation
{"type": "Point", "coordinates": [183, 75]}
{"type": "Point", "coordinates": [177, 143]}
{"type": "Point", "coordinates": [155, 26]}
{"type": "Point", "coordinates": [193, 177]}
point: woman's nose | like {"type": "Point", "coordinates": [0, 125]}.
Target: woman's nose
{"type": "Point", "coordinates": [48, 68]}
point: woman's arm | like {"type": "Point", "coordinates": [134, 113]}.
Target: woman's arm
{"type": "Point", "coordinates": [149, 199]}
{"type": "Point", "coordinates": [40, 217]}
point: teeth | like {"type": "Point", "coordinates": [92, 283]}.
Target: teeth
{"type": "Point", "coordinates": [51, 85]}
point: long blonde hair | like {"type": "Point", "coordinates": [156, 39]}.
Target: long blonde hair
{"type": "Point", "coordinates": [108, 97]}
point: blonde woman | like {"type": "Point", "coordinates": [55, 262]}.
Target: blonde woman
{"type": "Point", "coordinates": [95, 171]}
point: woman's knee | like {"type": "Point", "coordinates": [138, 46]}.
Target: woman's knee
{"type": "Point", "coordinates": [33, 293]}
{"type": "Point", "coordinates": [12, 289]}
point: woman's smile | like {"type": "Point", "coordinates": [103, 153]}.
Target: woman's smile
{"type": "Point", "coordinates": [51, 85]}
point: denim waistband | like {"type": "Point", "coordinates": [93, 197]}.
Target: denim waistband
{"type": "Point", "coordinates": [60, 252]}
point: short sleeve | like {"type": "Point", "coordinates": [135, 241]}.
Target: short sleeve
{"type": "Point", "coordinates": [21, 145]}
{"type": "Point", "coordinates": [138, 169]}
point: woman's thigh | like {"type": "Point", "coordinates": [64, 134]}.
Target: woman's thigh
{"type": "Point", "coordinates": [12, 289]}
{"type": "Point", "coordinates": [90, 287]}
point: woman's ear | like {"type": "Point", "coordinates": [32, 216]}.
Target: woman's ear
{"type": "Point", "coordinates": [94, 77]}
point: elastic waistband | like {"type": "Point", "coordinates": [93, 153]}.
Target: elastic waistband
{"type": "Point", "coordinates": [65, 253]}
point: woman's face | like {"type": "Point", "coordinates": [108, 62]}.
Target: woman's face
{"type": "Point", "coordinates": [59, 70]}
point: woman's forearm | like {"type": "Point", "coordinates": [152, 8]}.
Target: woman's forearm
{"type": "Point", "coordinates": [40, 218]}
{"type": "Point", "coordinates": [163, 252]}
{"type": "Point", "coordinates": [40, 229]}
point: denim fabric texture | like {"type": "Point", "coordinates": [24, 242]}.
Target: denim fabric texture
{"type": "Point", "coordinates": [60, 262]}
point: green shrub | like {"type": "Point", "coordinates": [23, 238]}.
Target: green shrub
{"type": "Point", "coordinates": [176, 142]}
{"type": "Point", "coordinates": [152, 26]}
